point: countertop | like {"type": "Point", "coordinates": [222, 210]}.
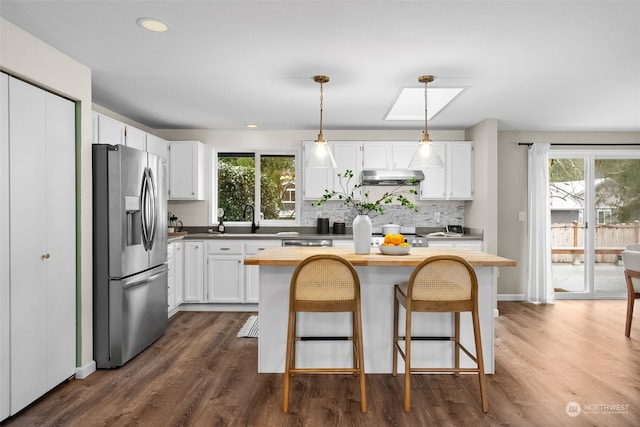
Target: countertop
{"type": "Point", "coordinates": [282, 256]}
{"type": "Point", "coordinates": [288, 235]}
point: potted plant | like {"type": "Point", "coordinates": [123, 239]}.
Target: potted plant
{"type": "Point", "coordinates": [362, 223]}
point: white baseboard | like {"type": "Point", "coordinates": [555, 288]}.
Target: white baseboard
{"type": "Point", "coordinates": [218, 307]}
{"type": "Point", "coordinates": [510, 297]}
{"type": "Point", "coordinates": [83, 372]}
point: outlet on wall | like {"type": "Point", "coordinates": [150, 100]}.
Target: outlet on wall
{"type": "Point", "coordinates": [436, 217]}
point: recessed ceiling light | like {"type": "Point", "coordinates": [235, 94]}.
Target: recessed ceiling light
{"type": "Point", "coordinates": [251, 125]}
{"type": "Point", "coordinates": [152, 24]}
{"type": "Point", "coordinates": [410, 103]}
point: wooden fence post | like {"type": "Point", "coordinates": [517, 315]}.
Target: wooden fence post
{"type": "Point", "coordinates": [576, 257]}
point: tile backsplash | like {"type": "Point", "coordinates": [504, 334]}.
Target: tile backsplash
{"type": "Point", "coordinates": [450, 212]}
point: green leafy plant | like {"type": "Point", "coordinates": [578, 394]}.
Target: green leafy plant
{"type": "Point", "coordinates": [365, 206]}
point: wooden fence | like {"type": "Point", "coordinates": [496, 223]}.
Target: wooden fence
{"type": "Point", "coordinates": [567, 241]}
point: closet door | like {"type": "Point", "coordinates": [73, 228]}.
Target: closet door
{"type": "Point", "coordinates": [5, 332]}
{"type": "Point", "coordinates": [60, 239]}
{"type": "Point", "coordinates": [42, 227]}
{"type": "Point", "coordinates": [27, 133]}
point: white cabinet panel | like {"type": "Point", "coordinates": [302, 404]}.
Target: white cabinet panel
{"type": "Point", "coordinates": [157, 146]}
{"type": "Point", "coordinates": [476, 245]}
{"type": "Point", "coordinates": [175, 263]}
{"type": "Point", "coordinates": [186, 170]}
{"type": "Point", "coordinates": [401, 153]}
{"type": "Point", "coordinates": [225, 279]}
{"type": "Point", "coordinates": [388, 154]}
{"type": "Point", "coordinates": [135, 138]}
{"type": "Point", "coordinates": [455, 180]}
{"type": "Point", "coordinates": [109, 131]}
{"type": "Point", "coordinates": [194, 271]}
{"type": "Point", "coordinates": [434, 186]}
{"type": "Point", "coordinates": [315, 180]}
{"type": "Point", "coordinates": [460, 170]}
{"type": "Point", "coordinates": [376, 155]}
{"type": "Point", "coordinates": [225, 271]}
{"type": "Point", "coordinates": [348, 156]}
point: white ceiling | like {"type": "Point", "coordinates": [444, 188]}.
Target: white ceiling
{"type": "Point", "coordinates": [533, 65]}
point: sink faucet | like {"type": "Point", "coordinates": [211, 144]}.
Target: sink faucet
{"type": "Point", "coordinates": [254, 227]}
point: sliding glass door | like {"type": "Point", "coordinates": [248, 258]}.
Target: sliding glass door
{"type": "Point", "coordinates": [595, 212]}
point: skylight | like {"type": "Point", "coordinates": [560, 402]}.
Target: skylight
{"type": "Point", "coordinates": [410, 103]}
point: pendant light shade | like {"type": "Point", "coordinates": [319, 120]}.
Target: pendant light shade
{"type": "Point", "coordinates": [320, 155]}
{"type": "Point", "coordinates": [425, 155]}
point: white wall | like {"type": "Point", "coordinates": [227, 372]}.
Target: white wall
{"type": "Point", "coordinates": [483, 211]}
{"type": "Point", "coordinates": [512, 193]}
{"type": "Point", "coordinates": [26, 57]}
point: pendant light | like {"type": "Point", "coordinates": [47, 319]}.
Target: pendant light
{"type": "Point", "coordinates": [425, 155]}
{"type": "Point", "coordinates": [320, 155]}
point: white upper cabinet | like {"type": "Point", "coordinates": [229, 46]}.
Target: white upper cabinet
{"type": "Point", "coordinates": [460, 170]}
{"type": "Point", "coordinates": [434, 186]}
{"type": "Point", "coordinates": [110, 131]}
{"type": "Point", "coordinates": [315, 180]}
{"type": "Point", "coordinates": [401, 153]}
{"type": "Point", "coordinates": [157, 146]}
{"type": "Point", "coordinates": [186, 170]}
{"type": "Point", "coordinates": [348, 156]}
{"type": "Point", "coordinates": [455, 180]}
{"type": "Point", "coordinates": [388, 155]}
{"type": "Point", "coordinates": [135, 138]}
{"type": "Point", "coordinates": [107, 130]}
{"type": "Point", "coordinates": [376, 155]}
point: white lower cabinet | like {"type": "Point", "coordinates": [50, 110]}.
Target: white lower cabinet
{"type": "Point", "coordinates": [175, 262]}
{"type": "Point", "coordinates": [342, 243]}
{"type": "Point", "coordinates": [476, 245]}
{"type": "Point", "coordinates": [225, 272]}
{"type": "Point", "coordinates": [193, 271]}
{"type": "Point", "coordinates": [251, 272]}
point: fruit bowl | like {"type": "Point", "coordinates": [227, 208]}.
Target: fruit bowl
{"type": "Point", "coordinates": [394, 250]}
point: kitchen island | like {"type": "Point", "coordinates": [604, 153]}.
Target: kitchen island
{"type": "Point", "coordinates": [378, 273]}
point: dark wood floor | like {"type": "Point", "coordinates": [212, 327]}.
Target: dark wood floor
{"type": "Point", "coordinates": [200, 374]}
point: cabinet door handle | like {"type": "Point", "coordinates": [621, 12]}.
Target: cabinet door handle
{"type": "Point", "coordinates": [45, 256]}
{"type": "Point", "coordinates": [225, 249]}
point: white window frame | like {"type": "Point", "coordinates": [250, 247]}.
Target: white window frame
{"type": "Point", "coordinates": [213, 219]}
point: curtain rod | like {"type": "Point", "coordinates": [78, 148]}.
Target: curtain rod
{"type": "Point", "coordinates": [631, 144]}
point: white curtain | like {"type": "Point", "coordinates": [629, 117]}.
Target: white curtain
{"type": "Point", "coordinates": [539, 280]}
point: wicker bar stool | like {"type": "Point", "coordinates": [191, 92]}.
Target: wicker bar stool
{"type": "Point", "coordinates": [325, 283]}
{"type": "Point", "coordinates": [439, 284]}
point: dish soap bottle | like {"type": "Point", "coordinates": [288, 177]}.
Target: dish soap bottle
{"type": "Point", "coordinates": [220, 223]}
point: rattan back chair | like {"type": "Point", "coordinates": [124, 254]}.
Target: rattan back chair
{"type": "Point", "coordinates": [443, 283]}
{"type": "Point", "coordinates": [325, 283]}
{"type": "Point", "coordinates": [631, 261]}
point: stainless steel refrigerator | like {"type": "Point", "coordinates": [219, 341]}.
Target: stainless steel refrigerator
{"type": "Point", "coordinates": [129, 252]}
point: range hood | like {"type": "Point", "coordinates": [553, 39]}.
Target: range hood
{"type": "Point", "coordinates": [391, 177]}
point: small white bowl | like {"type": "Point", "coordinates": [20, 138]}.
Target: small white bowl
{"type": "Point", "coordinates": [394, 250]}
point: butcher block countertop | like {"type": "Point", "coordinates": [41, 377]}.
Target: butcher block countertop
{"type": "Point", "coordinates": [274, 256]}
